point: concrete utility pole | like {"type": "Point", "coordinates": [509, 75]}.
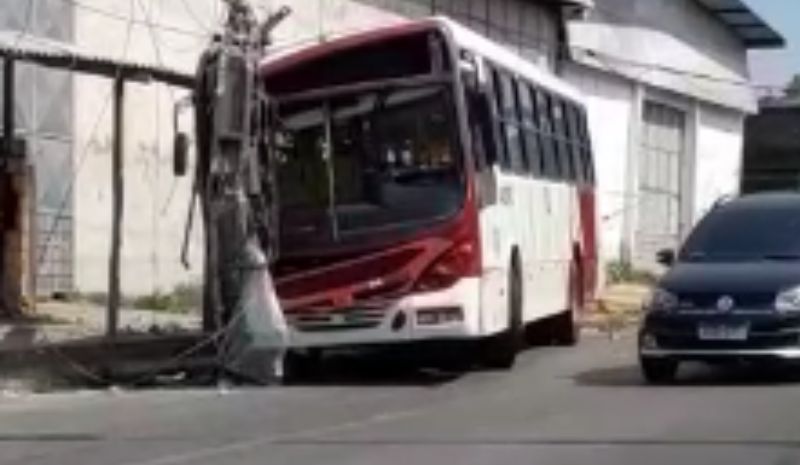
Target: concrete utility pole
{"type": "Point", "coordinates": [9, 103]}
{"type": "Point", "coordinates": [118, 202]}
{"type": "Point", "coordinates": [235, 186]}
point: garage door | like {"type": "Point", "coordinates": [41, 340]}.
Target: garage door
{"type": "Point", "coordinates": [661, 161]}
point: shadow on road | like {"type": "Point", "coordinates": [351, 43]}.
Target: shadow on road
{"type": "Point", "coordinates": [373, 371]}
{"type": "Point", "coordinates": [694, 375]}
{"type": "Point", "coordinates": [547, 442]}
{"type": "Point", "coordinates": [49, 437]}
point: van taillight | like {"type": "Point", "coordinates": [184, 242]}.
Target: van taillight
{"type": "Point", "coordinates": [461, 260]}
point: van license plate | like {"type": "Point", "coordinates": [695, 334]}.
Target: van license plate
{"type": "Point", "coordinates": [716, 332]}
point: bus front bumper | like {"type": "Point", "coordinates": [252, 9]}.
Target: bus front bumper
{"type": "Point", "coordinates": [451, 314]}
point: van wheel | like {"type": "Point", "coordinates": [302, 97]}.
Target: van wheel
{"type": "Point", "coordinates": [658, 370]}
{"type": "Point", "coordinates": [500, 352]}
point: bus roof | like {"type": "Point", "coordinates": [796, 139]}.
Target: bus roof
{"type": "Point", "coordinates": [470, 40]}
{"type": "Point", "coordinates": [463, 37]}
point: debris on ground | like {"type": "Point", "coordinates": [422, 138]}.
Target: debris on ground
{"type": "Point", "coordinates": [617, 307]}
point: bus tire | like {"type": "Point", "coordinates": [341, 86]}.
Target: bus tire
{"type": "Point", "coordinates": [500, 352]}
{"type": "Point", "coordinates": [566, 330]}
{"type": "Point", "coordinates": [302, 366]}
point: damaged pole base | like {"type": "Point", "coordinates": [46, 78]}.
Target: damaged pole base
{"type": "Point", "coordinates": [256, 367]}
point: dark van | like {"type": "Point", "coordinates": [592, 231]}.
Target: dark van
{"type": "Point", "coordinates": [732, 292]}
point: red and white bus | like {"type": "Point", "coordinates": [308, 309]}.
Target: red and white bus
{"type": "Point", "coordinates": [434, 187]}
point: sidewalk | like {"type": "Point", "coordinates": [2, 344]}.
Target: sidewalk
{"type": "Point", "coordinates": [617, 307]}
{"type": "Point", "coordinates": [53, 346]}
{"type": "Point", "coordinates": [57, 322]}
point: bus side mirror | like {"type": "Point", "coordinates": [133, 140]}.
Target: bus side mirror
{"type": "Point", "coordinates": [473, 73]}
{"type": "Point", "coordinates": [180, 145]}
{"type": "Point", "coordinates": [180, 154]}
{"type": "Point", "coordinates": [666, 257]}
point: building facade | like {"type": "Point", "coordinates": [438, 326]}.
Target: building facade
{"type": "Point", "coordinates": [666, 82]}
{"type": "Point", "coordinates": [43, 113]}
{"type": "Point", "coordinates": [668, 90]}
{"type": "Point", "coordinates": [772, 146]}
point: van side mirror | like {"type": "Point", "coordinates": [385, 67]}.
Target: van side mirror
{"type": "Point", "coordinates": [180, 154]}
{"type": "Point", "coordinates": [666, 257]}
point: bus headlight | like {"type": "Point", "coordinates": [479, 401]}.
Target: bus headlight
{"type": "Point", "coordinates": [788, 301]}
{"type": "Point", "coordinates": [661, 300]}
{"type": "Point", "coordinates": [456, 263]}
{"type": "Point", "coordinates": [438, 316]}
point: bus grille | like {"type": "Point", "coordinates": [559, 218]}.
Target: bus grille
{"type": "Point", "coordinates": [336, 320]}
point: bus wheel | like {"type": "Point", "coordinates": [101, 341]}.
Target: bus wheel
{"type": "Point", "coordinates": [302, 366]}
{"type": "Point", "coordinates": [500, 352]}
{"type": "Point", "coordinates": [566, 330]}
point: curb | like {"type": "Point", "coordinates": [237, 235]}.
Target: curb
{"type": "Point", "coordinates": [93, 361]}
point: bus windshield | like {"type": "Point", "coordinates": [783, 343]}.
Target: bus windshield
{"type": "Point", "coordinates": [356, 166]}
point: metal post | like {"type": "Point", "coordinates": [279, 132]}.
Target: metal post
{"type": "Point", "coordinates": [8, 107]}
{"type": "Point", "coordinates": [118, 192]}
{"type": "Point", "coordinates": [328, 155]}
{"type": "Point", "coordinates": [7, 147]}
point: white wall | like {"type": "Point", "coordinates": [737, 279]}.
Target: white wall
{"type": "Point", "coordinates": [640, 38]}
{"type": "Point", "coordinates": [719, 156]}
{"type": "Point", "coordinates": [714, 148]}
{"type": "Point", "coordinates": [675, 34]}
{"type": "Point", "coordinates": [155, 202]}
{"type": "Point", "coordinates": [611, 106]}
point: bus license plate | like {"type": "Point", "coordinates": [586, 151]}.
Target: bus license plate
{"type": "Point", "coordinates": [717, 332]}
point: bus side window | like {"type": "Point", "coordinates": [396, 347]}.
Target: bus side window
{"type": "Point", "coordinates": [567, 172]}
{"type": "Point", "coordinates": [586, 145]}
{"type": "Point", "coordinates": [497, 109]}
{"type": "Point", "coordinates": [509, 122]}
{"type": "Point", "coordinates": [575, 142]}
{"type": "Point", "coordinates": [531, 144]}
{"type": "Point", "coordinates": [547, 143]}
{"type": "Point", "coordinates": [480, 127]}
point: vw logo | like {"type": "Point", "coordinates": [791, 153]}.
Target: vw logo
{"type": "Point", "coordinates": [725, 303]}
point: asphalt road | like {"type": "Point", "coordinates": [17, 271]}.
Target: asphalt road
{"type": "Point", "coordinates": [560, 406]}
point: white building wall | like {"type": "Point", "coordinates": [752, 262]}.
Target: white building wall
{"type": "Point", "coordinates": [611, 112]}
{"type": "Point", "coordinates": [155, 202]}
{"type": "Point", "coordinates": [173, 33]}
{"type": "Point", "coordinates": [714, 144]}
{"type": "Point", "coordinates": [635, 50]}
{"type": "Point", "coordinates": [667, 44]}
{"type": "Point", "coordinates": [719, 156]}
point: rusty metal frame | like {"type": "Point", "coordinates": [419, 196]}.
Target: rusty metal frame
{"type": "Point", "coordinates": [120, 72]}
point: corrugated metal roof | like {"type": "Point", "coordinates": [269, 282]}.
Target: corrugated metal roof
{"type": "Point", "coordinates": [56, 54]}
{"type": "Point", "coordinates": [746, 24]}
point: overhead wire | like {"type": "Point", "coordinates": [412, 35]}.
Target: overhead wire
{"type": "Point", "coordinates": [196, 18]}
{"type": "Point", "coordinates": [86, 149]}
{"type": "Point", "coordinates": [113, 15]}
{"type": "Point", "coordinates": [28, 22]}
